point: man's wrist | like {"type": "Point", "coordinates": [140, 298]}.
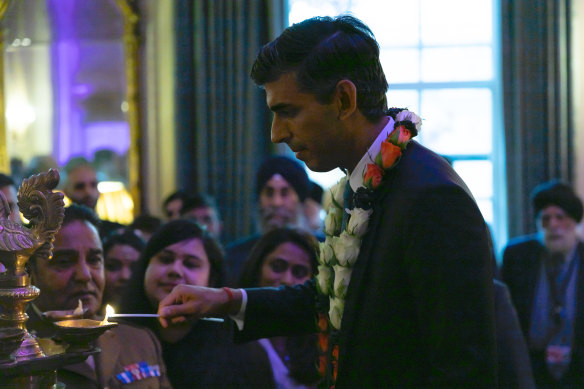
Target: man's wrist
{"type": "Point", "coordinates": [233, 299]}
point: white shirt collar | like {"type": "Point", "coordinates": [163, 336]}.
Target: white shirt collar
{"type": "Point", "coordinates": [356, 176]}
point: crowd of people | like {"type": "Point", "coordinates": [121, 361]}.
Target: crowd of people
{"type": "Point", "coordinates": [133, 267]}
{"type": "Point", "coordinates": [410, 301]}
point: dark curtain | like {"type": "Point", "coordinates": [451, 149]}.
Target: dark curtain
{"type": "Point", "coordinates": [223, 124]}
{"type": "Point", "coordinates": [536, 97]}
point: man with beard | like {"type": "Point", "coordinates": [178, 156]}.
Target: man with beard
{"type": "Point", "coordinates": [545, 276]}
{"type": "Point", "coordinates": [81, 188]}
{"type": "Point", "coordinates": [81, 183]}
{"type": "Point", "coordinates": [282, 185]}
{"type": "Point", "coordinates": [76, 274]}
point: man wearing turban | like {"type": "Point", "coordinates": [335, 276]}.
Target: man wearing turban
{"type": "Point", "coordinates": [546, 281]}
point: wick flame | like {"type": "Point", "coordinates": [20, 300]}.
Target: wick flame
{"type": "Point", "coordinates": [79, 310]}
{"type": "Point", "coordinates": [109, 311]}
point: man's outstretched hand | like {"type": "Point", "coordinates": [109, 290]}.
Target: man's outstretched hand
{"type": "Point", "coordinates": [193, 302]}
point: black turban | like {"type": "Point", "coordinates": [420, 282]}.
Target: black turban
{"type": "Point", "coordinates": [560, 195]}
{"type": "Point", "coordinates": [291, 170]}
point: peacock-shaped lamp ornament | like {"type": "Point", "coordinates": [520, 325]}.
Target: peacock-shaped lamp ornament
{"type": "Point", "coordinates": [44, 209]}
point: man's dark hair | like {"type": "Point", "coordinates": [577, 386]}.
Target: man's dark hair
{"type": "Point", "coordinates": [77, 162]}
{"type": "Point", "coordinates": [178, 195]}
{"type": "Point", "coordinates": [80, 212]}
{"type": "Point", "coordinates": [72, 213]}
{"type": "Point", "coordinates": [322, 51]}
{"type": "Point", "coordinates": [6, 181]}
{"type": "Point", "coordinates": [199, 200]}
{"type": "Point", "coordinates": [145, 222]}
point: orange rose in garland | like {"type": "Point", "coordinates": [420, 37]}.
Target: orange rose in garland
{"type": "Point", "coordinates": [389, 154]}
{"type": "Point", "coordinates": [373, 176]}
{"type": "Point", "coordinates": [405, 128]}
{"type": "Point", "coordinates": [400, 136]}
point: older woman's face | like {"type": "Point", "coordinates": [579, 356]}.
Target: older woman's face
{"type": "Point", "coordinates": [288, 264]}
{"type": "Point", "coordinates": [185, 262]}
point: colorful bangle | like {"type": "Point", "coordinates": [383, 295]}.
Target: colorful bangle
{"type": "Point", "coordinates": [229, 293]}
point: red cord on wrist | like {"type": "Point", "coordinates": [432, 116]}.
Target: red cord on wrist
{"type": "Point", "coordinates": [229, 293]}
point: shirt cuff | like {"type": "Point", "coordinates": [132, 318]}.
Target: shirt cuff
{"type": "Point", "coordinates": [239, 317]}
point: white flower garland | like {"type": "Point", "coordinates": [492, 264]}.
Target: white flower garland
{"type": "Point", "coordinates": [339, 251]}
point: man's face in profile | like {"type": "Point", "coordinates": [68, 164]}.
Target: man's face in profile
{"type": "Point", "coordinates": [74, 273]}
{"type": "Point", "coordinates": [557, 229]}
{"type": "Point", "coordinates": [279, 204]}
{"type": "Point", "coordinates": [81, 186]}
{"type": "Point", "coordinates": [311, 129]}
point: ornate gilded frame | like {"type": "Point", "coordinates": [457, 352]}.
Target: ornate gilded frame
{"type": "Point", "coordinates": [4, 161]}
{"type": "Point", "coordinates": [128, 11]}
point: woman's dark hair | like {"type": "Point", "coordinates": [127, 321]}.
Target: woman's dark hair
{"type": "Point", "coordinates": [124, 237]}
{"type": "Point", "coordinates": [147, 223]}
{"type": "Point", "coordinates": [322, 51]}
{"type": "Point", "coordinates": [302, 350]}
{"type": "Point", "coordinates": [135, 300]}
{"type": "Point", "coordinates": [252, 267]}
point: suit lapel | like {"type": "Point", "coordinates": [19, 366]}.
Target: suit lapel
{"type": "Point", "coordinates": [365, 252]}
{"type": "Point", "coordinates": [106, 360]}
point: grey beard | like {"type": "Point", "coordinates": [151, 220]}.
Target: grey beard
{"type": "Point", "coordinates": [286, 219]}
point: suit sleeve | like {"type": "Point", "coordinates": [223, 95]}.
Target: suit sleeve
{"type": "Point", "coordinates": [449, 265]}
{"type": "Point", "coordinates": [279, 311]}
{"type": "Point", "coordinates": [513, 357]}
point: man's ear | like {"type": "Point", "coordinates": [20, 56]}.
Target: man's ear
{"type": "Point", "coordinates": [346, 98]}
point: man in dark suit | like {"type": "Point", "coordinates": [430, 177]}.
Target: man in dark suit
{"type": "Point", "coordinates": [418, 311]}
{"type": "Point", "coordinates": [546, 280]}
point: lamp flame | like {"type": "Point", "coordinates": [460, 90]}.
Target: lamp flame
{"type": "Point", "coordinates": [79, 310]}
{"type": "Point", "coordinates": [109, 311]}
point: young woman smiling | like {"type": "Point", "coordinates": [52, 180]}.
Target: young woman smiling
{"type": "Point", "coordinates": [198, 354]}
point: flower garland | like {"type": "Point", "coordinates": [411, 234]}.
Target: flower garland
{"type": "Point", "coordinates": [339, 251]}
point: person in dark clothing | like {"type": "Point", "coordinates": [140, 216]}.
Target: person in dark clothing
{"type": "Point", "coordinates": [411, 303]}
{"type": "Point", "coordinates": [545, 277]}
